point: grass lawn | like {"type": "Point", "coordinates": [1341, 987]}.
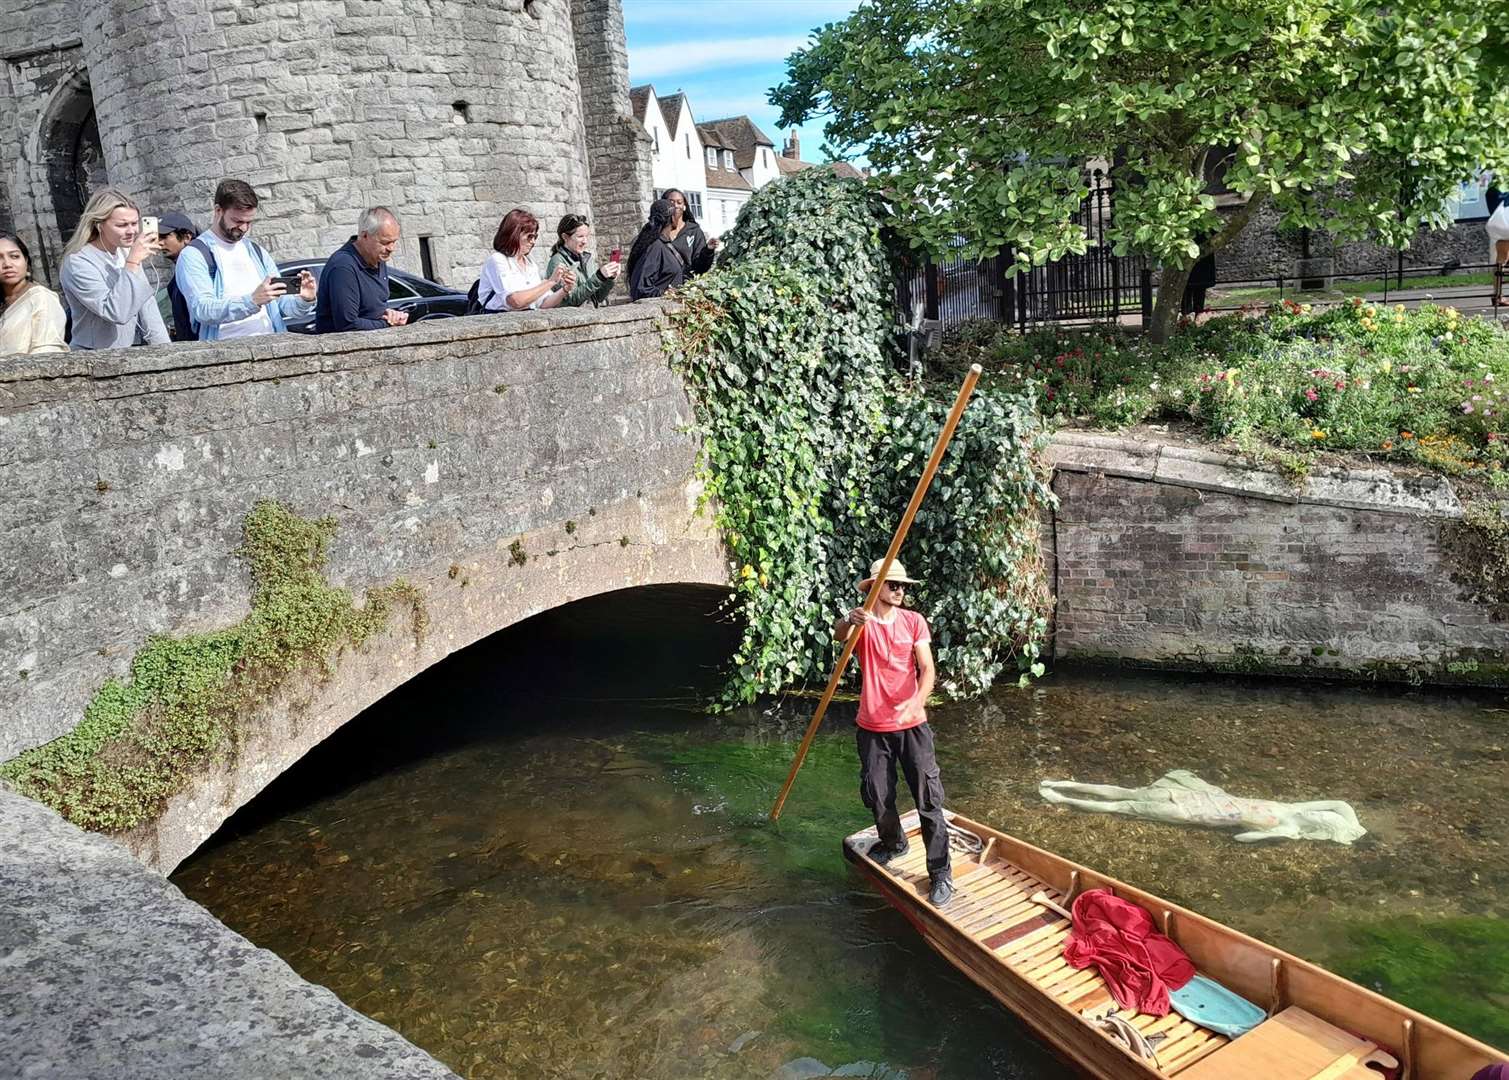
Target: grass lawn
{"type": "Point", "coordinates": [1341, 290]}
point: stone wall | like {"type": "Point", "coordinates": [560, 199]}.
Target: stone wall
{"type": "Point", "coordinates": [1262, 251]}
{"type": "Point", "coordinates": [618, 148]}
{"type": "Point", "coordinates": [112, 972]}
{"type": "Point", "coordinates": [125, 476]}
{"type": "Point", "coordinates": [43, 100]}
{"type": "Point", "coordinates": [451, 113]}
{"type": "Point", "coordinates": [1172, 557]}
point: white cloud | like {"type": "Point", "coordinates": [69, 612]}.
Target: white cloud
{"type": "Point", "coordinates": [690, 55]}
{"type": "Point", "coordinates": [694, 13]}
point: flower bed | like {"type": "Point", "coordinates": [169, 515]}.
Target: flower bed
{"type": "Point", "coordinates": [1425, 386]}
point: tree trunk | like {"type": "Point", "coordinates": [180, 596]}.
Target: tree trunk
{"type": "Point", "coordinates": [1171, 282]}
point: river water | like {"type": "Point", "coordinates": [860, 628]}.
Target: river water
{"type": "Point", "coordinates": [542, 859]}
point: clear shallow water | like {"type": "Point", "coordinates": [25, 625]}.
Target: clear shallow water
{"type": "Point", "coordinates": [532, 873]}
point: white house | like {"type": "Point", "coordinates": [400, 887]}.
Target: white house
{"type": "Point", "coordinates": [676, 152]}
{"type": "Point", "coordinates": [718, 164]}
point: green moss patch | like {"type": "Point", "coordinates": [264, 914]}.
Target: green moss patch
{"type": "Point", "coordinates": [141, 739]}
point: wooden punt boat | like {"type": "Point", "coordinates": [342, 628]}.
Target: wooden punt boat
{"type": "Point", "coordinates": [1319, 1026]}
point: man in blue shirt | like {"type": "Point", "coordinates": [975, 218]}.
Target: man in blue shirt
{"type": "Point", "coordinates": [353, 293]}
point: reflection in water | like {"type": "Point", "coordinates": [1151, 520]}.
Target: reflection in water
{"type": "Point", "coordinates": [530, 869]}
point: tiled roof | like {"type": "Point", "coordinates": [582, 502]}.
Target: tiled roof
{"type": "Point", "coordinates": [740, 133]}
{"type": "Point", "coordinates": [787, 166]}
{"type": "Point", "coordinates": [639, 98]}
{"type": "Point", "coordinates": [711, 136]}
{"type": "Point", "coordinates": [728, 179]}
{"type": "Point", "coordinates": [670, 108]}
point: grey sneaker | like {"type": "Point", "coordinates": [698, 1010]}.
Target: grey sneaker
{"type": "Point", "coordinates": [883, 854]}
{"type": "Point", "coordinates": [942, 891]}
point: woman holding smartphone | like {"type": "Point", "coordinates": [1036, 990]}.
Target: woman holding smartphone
{"type": "Point", "coordinates": [104, 286]}
{"type": "Point", "coordinates": [573, 234]}
{"type": "Point", "coordinates": [510, 281]}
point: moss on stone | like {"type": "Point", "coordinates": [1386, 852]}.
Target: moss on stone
{"type": "Point", "coordinates": [1478, 546]}
{"type": "Point", "coordinates": [140, 739]}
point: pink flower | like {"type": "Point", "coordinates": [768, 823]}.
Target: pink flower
{"type": "Point", "coordinates": [1467, 406]}
{"type": "Point", "coordinates": [1310, 393]}
{"type": "Point", "coordinates": [1340, 385]}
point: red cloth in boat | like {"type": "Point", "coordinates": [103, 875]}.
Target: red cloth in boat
{"type": "Point", "coordinates": [1139, 964]}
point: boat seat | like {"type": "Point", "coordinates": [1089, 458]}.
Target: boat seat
{"type": "Point", "coordinates": [1295, 1043]}
{"type": "Point", "coordinates": [992, 903]}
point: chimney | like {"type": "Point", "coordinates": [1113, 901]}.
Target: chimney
{"type": "Point", "coordinates": [793, 148]}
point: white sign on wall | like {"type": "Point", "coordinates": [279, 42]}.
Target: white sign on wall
{"type": "Point", "coordinates": [1471, 202]}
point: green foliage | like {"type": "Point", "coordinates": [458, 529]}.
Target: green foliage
{"type": "Point", "coordinates": [140, 740]}
{"type": "Point", "coordinates": [812, 443]}
{"type": "Point", "coordinates": [1362, 115]}
{"type": "Point", "coordinates": [1424, 386]}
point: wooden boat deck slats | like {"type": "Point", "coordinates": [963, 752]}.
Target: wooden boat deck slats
{"type": "Point", "coordinates": [993, 904]}
{"type": "Point", "coordinates": [995, 933]}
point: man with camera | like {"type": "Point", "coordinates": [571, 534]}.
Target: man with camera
{"type": "Point", "coordinates": [230, 284]}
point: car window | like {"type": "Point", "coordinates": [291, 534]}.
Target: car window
{"type": "Point", "coordinates": [419, 285]}
{"type": "Point", "coordinates": [399, 290]}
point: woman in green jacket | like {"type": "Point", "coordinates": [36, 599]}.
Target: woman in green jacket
{"type": "Point", "coordinates": [573, 234]}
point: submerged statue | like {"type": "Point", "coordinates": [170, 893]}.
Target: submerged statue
{"type": "Point", "coordinates": [1183, 798]}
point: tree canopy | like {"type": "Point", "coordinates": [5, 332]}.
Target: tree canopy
{"type": "Point", "coordinates": [979, 116]}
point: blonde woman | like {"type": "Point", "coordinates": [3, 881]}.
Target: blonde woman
{"type": "Point", "coordinates": [112, 303]}
{"type": "Point", "coordinates": [31, 319]}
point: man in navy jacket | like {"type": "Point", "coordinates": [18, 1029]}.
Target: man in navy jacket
{"type": "Point", "coordinates": [353, 292]}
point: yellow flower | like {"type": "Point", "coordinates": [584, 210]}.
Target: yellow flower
{"type": "Point", "coordinates": [1413, 389]}
{"type": "Point", "coordinates": [747, 572]}
{"type": "Point", "coordinates": [1317, 434]}
{"type": "Point", "coordinates": [1386, 366]}
{"type": "Point", "coordinates": [1399, 308]}
{"type": "Point", "coordinates": [1304, 309]}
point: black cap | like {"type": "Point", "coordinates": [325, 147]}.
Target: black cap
{"type": "Point", "coordinates": [175, 222]}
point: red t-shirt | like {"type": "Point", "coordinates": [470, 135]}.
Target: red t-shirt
{"type": "Point", "coordinates": [887, 654]}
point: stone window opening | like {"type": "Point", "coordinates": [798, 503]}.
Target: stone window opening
{"type": "Point", "coordinates": [461, 112]}
{"type": "Point", "coordinates": [261, 122]}
{"type": "Point", "coordinates": [532, 7]}
{"type": "Point", "coordinates": [688, 145]}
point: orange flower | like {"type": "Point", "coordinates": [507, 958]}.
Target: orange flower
{"type": "Point", "coordinates": [1406, 434]}
{"type": "Point", "coordinates": [1388, 444]}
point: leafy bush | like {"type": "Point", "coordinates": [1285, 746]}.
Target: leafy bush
{"type": "Point", "coordinates": [1425, 385]}
{"type": "Point", "coordinates": [812, 442]}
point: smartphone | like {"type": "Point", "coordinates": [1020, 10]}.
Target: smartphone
{"type": "Point", "coordinates": [616, 254]}
{"type": "Point", "coordinates": [290, 282]}
{"type": "Point", "coordinates": [149, 226]}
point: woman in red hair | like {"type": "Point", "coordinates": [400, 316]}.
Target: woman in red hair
{"type": "Point", "coordinates": [510, 281]}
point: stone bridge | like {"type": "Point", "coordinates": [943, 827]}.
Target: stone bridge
{"type": "Point", "coordinates": [503, 465]}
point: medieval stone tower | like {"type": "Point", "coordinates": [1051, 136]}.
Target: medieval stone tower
{"type": "Point", "coordinates": [451, 112]}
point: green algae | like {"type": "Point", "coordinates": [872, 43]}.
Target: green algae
{"type": "Point", "coordinates": [1456, 970]}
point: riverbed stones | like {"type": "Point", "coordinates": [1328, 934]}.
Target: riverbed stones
{"type": "Point", "coordinates": [108, 971]}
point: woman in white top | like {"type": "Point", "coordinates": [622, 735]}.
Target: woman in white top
{"type": "Point", "coordinates": [31, 318]}
{"type": "Point", "coordinates": [509, 280]}
{"type": "Point", "coordinates": [107, 292]}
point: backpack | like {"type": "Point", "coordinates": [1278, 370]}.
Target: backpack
{"type": "Point", "coordinates": [473, 301]}
{"type": "Point", "coordinates": [181, 305]}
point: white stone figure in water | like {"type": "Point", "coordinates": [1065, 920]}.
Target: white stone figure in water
{"type": "Point", "coordinates": [1183, 798]}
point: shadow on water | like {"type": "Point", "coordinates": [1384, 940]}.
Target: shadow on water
{"type": "Point", "coordinates": [542, 858]}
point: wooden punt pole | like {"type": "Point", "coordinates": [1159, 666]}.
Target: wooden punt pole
{"type": "Point", "coordinates": [968, 388]}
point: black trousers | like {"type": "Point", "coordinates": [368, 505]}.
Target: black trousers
{"type": "Point", "coordinates": [879, 754]}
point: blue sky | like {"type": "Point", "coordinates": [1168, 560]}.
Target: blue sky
{"type": "Point", "coordinates": [726, 54]}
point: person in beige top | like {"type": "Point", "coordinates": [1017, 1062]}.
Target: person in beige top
{"type": "Point", "coordinates": [31, 317]}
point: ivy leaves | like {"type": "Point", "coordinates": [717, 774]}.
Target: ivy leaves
{"type": "Point", "coordinates": [813, 440]}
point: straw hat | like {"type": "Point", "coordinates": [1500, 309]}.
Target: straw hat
{"type": "Point", "coordinates": [897, 572]}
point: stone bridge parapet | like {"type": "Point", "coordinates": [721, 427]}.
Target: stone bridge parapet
{"type": "Point", "coordinates": [504, 465]}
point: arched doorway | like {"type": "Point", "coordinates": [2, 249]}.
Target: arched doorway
{"type": "Point", "coordinates": [72, 153]}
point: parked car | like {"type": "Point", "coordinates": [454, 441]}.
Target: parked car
{"type": "Point", "coordinates": [421, 298]}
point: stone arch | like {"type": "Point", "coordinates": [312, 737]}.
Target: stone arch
{"type": "Point", "coordinates": [282, 731]}
{"type": "Point", "coordinates": [70, 151]}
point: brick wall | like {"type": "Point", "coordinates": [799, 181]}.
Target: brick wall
{"type": "Point", "coordinates": [1181, 558]}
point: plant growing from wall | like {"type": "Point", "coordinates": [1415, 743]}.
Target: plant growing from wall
{"type": "Point", "coordinates": [142, 738]}
{"type": "Point", "coordinates": [812, 440]}
{"type": "Point", "coordinates": [1478, 544]}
